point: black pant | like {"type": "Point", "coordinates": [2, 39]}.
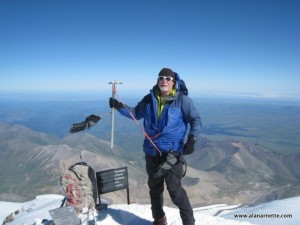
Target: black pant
{"type": "Point", "coordinates": [173, 182]}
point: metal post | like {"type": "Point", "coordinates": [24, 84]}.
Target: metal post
{"type": "Point", "coordinates": [113, 85]}
{"type": "Point", "coordinates": [112, 118]}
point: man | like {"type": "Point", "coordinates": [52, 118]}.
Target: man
{"type": "Point", "coordinates": [167, 112]}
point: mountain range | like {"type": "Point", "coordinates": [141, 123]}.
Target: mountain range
{"type": "Point", "coordinates": [219, 171]}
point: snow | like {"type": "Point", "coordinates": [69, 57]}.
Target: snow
{"type": "Point", "coordinates": [284, 207]}
{"type": "Point", "coordinates": [37, 210]}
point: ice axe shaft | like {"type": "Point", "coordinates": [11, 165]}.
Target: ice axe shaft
{"type": "Point", "coordinates": [112, 119]}
{"type": "Point", "coordinates": [113, 85]}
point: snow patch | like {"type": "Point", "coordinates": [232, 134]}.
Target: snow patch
{"type": "Point", "coordinates": [37, 211]}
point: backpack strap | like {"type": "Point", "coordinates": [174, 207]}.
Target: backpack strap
{"type": "Point", "coordinates": [185, 166]}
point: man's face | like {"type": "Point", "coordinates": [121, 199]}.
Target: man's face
{"type": "Point", "coordinates": [165, 84]}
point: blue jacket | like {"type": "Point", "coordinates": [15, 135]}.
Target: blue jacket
{"type": "Point", "coordinates": [169, 130]}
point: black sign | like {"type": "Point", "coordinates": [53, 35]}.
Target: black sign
{"type": "Point", "coordinates": [112, 180]}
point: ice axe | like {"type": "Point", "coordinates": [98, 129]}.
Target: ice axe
{"type": "Point", "coordinates": [93, 119]}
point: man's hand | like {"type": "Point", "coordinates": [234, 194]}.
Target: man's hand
{"type": "Point", "coordinates": [114, 103]}
{"type": "Point", "coordinates": [189, 146]}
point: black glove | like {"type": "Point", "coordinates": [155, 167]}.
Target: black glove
{"type": "Point", "coordinates": [92, 120]}
{"type": "Point", "coordinates": [189, 146]}
{"type": "Point", "coordinates": [114, 103]}
{"type": "Point", "coordinates": [89, 121]}
{"type": "Point", "coordinates": [164, 167]}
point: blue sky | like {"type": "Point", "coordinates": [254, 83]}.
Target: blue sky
{"type": "Point", "coordinates": [217, 46]}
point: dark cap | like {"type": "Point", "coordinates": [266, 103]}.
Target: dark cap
{"type": "Point", "coordinates": [167, 72]}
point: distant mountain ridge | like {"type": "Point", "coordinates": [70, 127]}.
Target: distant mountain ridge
{"type": "Point", "coordinates": [35, 161]}
{"type": "Point", "coordinates": [250, 171]}
{"type": "Point", "coordinates": [246, 157]}
{"type": "Point", "coordinates": [218, 171]}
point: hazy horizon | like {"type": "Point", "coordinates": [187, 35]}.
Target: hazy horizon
{"type": "Point", "coordinates": [78, 95]}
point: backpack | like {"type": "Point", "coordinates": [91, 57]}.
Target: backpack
{"type": "Point", "coordinates": [181, 85]}
{"type": "Point", "coordinates": [79, 185]}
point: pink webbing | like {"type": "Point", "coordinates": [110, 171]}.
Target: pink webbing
{"type": "Point", "coordinates": [135, 120]}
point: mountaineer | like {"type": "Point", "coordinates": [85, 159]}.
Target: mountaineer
{"type": "Point", "coordinates": [169, 116]}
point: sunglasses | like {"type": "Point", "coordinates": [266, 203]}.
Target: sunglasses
{"type": "Point", "coordinates": [161, 78]}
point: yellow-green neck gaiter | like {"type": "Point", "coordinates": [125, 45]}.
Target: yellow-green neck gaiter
{"type": "Point", "coordinates": [161, 102]}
